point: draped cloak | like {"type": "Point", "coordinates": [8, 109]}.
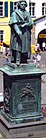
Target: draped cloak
{"type": "Point", "coordinates": [24, 23]}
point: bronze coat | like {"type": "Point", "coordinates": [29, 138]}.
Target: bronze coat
{"type": "Point", "coordinates": [20, 21]}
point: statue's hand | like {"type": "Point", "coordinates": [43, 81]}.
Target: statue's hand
{"type": "Point", "coordinates": [25, 24]}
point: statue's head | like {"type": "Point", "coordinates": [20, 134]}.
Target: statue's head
{"type": "Point", "coordinates": [22, 2]}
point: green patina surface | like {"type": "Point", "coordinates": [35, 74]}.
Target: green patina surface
{"type": "Point", "coordinates": [13, 69]}
{"type": "Point", "coordinates": [22, 92]}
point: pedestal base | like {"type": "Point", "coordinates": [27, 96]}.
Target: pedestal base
{"type": "Point", "coordinates": [22, 93]}
{"type": "Point", "coordinates": [23, 119]}
{"type": "Point", "coordinates": [25, 130]}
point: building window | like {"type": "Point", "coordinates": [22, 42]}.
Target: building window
{"type": "Point", "coordinates": [11, 8]}
{"type": "Point", "coordinates": [6, 9]}
{"type": "Point", "coordinates": [1, 35]}
{"type": "Point", "coordinates": [1, 9]}
{"type": "Point", "coordinates": [43, 8]}
{"type": "Point", "coordinates": [15, 5]}
{"type": "Point", "coordinates": [32, 8]}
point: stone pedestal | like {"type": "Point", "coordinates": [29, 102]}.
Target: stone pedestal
{"type": "Point", "coordinates": [22, 93]}
{"type": "Point", "coordinates": [10, 130]}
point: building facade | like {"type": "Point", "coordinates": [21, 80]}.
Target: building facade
{"type": "Point", "coordinates": [37, 11]}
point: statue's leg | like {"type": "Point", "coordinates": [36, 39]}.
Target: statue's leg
{"type": "Point", "coordinates": [29, 55]}
{"type": "Point", "coordinates": [18, 57]}
{"type": "Point", "coordinates": [13, 56]}
{"type": "Point", "coordinates": [24, 57]}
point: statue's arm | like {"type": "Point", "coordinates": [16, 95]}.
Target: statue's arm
{"type": "Point", "coordinates": [17, 30]}
{"type": "Point", "coordinates": [29, 21]}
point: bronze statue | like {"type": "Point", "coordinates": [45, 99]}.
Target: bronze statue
{"type": "Point", "coordinates": [21, 24]}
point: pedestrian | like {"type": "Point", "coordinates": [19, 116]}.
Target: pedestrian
{"type": "Point", "coordinates": [43, 46]}
{"type": "Point", "coordinates": [38, 57]}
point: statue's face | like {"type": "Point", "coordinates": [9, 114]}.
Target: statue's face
{"type": "Point", "coordinates": [23, 5]}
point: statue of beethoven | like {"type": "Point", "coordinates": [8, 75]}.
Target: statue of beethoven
{"type": "Point", "coordinates": [20, 43]}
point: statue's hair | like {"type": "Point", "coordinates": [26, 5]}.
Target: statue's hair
{"type": "Point", "coordinates": [19, 2]}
